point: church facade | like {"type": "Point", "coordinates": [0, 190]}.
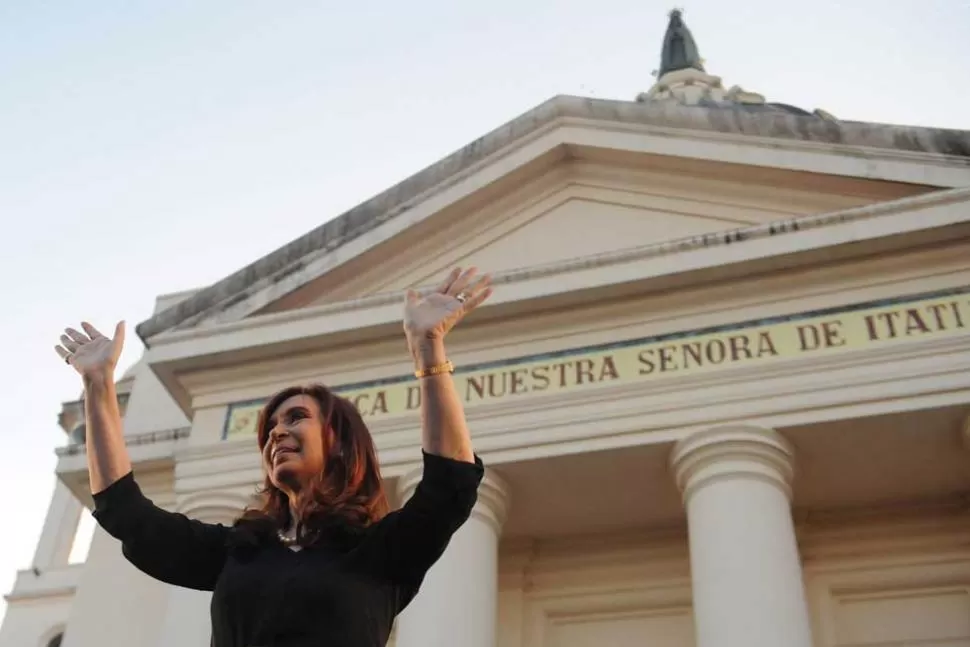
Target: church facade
{"type": "Point", "coordinates": [722, 388]}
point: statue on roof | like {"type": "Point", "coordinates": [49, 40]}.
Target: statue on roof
{"type": "Point", "coordinates": [679, 49]}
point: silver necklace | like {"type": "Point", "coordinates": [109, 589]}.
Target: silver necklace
{"type": "Point", "coordinates": [285, 539]}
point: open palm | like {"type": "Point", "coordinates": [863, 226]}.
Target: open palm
{"type": "Point", "coordinates": [432, 314]}
{"type": "Point", "coordinates": [90, 352]}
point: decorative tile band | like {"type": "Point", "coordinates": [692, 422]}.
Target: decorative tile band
{"type": "Point", "coordinates": [819, 332]}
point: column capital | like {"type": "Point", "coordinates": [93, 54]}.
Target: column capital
{"type": "Point", "coordinates": [733, 451]}
{"type": "Point", "coordinates": [491, 507]}
{"type": "Point", "coordinates": [213, 506]}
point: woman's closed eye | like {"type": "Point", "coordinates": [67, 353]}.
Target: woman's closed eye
{"type": "Point", "coordinates": [293, 417]}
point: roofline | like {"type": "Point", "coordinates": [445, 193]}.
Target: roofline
{"type": "Point", "coordinates": [336, 232]}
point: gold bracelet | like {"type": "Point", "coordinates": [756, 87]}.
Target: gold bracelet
{"type": "Point", "coordinates": [437, 369]}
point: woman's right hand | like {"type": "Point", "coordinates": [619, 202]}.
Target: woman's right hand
{"type": "Point", "coordinates": [91, 353]}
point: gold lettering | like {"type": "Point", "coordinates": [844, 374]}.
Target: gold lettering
{"type": "Point", "coordinates": [808, 337]}
{"type": "Point", "coordinates": [518, 380]}
{"type": "Point", "coordinates": [740, 346]}
{"type": "Point", "coordinates": [692, 351]}
{"type": "Point", "coordinates": [715, 351]}
{"type": "Point", "coordinates": [608, 370]}
{"type": "Point", "coordinates": [359, 401]}
{"type": "Point", "coordinates": [380, 403]}
{"type": "Point", "coordinates": [765, 345]}
{"type": "Point", "coordinates": [562, 366]}
{"type": "Point", "coordinates": [915, 323]}
{"type": "Point", "coordinates": [414, 397]}
{"type": "Point", "coordinates": [476, 384]}
{"type": "Point", "coordinates": [584, 371]}
{"type": "Point", "coordinates": [851, 328]}
{"type": "Point", "coordinates": [667, 361]}
{"type": "Point", "coordinates": [938, 309]}
{"type": "Point", "coordinates": [645, 357]}
{"type": "Point", "coordinates": [832, 334]}
{"type": "Point", "coordinates": [492, 390]}
{"type": "Point", "coordinates": [827, 334]}
{"type": "Point", "coordinates": [956, 313]}
{"type": "Point", "coordinates": [540, 378]}
{"type": "Point", "coordinates": [367, 407]}
{"type": "Point", "coordinates": [890, 319]}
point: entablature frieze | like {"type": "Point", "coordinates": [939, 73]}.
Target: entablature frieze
{"type": "Point", "coordinates": [647, 379]}
{"type": "Point", "coordinates": [798, 388]}
{"type": "Point", "coordinates": [868, 382]}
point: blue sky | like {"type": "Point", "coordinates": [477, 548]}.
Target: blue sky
{"type": "Point", "coordinates": [150, 147]}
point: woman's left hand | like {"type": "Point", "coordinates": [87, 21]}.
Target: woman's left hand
{"type": "Point", "coordinates": [429, 316]}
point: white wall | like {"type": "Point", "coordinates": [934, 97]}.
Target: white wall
{"type": "Point", "coordinates": [150, 407]}
{"type": "Point", "coordinates": [870, 583]}
{"type": "Point", "coordinates": [115, 604]}
{"type": "Point", "coordinates": [623, 590]}
{"type": "Point", "coordinates": [32, 623]}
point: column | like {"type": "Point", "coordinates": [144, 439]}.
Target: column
{"type": "Point", "coordinates": [457, 601]}
{"type": "Point", "coordinates": [60, 528]}
{"type": "Point", "coordinates": [745, 568]}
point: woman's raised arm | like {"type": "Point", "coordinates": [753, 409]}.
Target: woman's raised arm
{"type": "Point", "coordinates": [94, 357]}
{"type": "Point", "coordinates": [413, 538]}
{"type": "Point", "coordinates": [167, 546]}
{"type": "Point", "coordinates": [427, 319]}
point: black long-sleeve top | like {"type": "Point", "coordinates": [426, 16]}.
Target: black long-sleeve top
{"type": "Point", "coordinates": [332, 593]}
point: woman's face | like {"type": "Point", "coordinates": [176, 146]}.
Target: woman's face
{"type": "Point", "coordinates": [294, 450]}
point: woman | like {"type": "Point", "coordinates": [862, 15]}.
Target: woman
{"type": "Point", "coordinates": [319, 561]}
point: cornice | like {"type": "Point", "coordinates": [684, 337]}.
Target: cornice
{"type": "Point", "coordinates": [35, 584]}
{"type": "Point", "coordinates": [705, 242]}
{"type": "Point", "coordinates": [132, 440]}
{"type": "Point", "coordinates": [57, 592]}
{"type": "Point", "coordinates": [871, 150]}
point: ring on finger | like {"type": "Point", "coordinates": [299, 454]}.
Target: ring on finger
{"type": "Point", "coordinates": [462, 297]}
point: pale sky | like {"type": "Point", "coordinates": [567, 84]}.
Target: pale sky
{"type": "Point", "coordinates": [150, 147]}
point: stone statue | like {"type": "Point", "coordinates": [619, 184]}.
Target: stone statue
{"type": "Point", "coordinates": [679, 49]}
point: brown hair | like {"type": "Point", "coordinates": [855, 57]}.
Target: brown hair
{"type": "Point", "coordinates": [349, 493]}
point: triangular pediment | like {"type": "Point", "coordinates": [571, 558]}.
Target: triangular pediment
{"type": "Point", "coordinates": [580, 209]}
{"type": "Point", "coordinates": [570, 179]}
